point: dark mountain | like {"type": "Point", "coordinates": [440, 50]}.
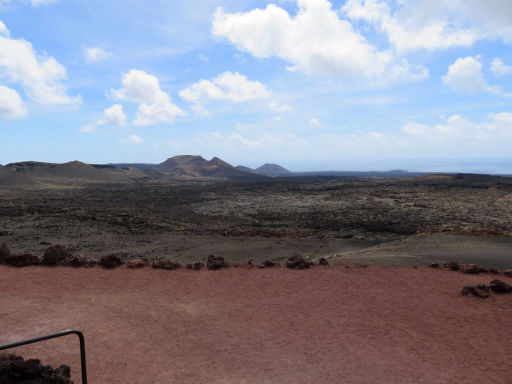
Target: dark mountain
{"type": "Point", "coordinates": [245, 169]}
{"type": "Point", "coordinates": [141, 166]}
{"type": "Point", "coordinates": [188, 167]}
{"type": "Point", "coordinates": [72, 173]}
{"type": "Point", "coordinates": [273, 170]}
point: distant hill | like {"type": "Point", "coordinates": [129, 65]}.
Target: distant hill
{"type": "Point", "coordinates": [188, 167]}
{"type": "Point", "coordinates": [72, 173]}
{"type": "Point", "coordinates": [273, 170]}
{"type": "Point", "coordinates": [141, 166]}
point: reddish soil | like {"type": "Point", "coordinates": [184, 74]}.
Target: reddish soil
{"type": "Point", "coordinates": [324, 325]}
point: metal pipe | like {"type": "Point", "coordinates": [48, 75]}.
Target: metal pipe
{"type": "Point", "coordinates": [53, 336]}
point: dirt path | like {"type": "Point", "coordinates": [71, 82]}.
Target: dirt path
{"type": "Point", "coordinates": [325, 325]}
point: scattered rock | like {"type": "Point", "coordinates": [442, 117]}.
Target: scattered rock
{"type": "Point", "coordinates": [15, 370]}
{"type": "Point", "coordinates": [4, 233]}
{"type": "Point", "coordinates": [4, 252]}
{"type": "Point", "coordinates": [499, 286]}
{"type": "Point", "coordinates": [216, 262]}
{"type": "Point", "coordinates": [452, 266]}
{"type": "Point", "coordinates": [195, 266]}
{"type": "Point", "coordinates": [480, 290]}
{"type": "Point", "coordinates": [297, 262]}
{"type": "Point", "coordinates": [80, 261]}
{"type": "Point", "coordinates": [166, 264]}
{"type": "Point", "coordinates": [323, 261]}
{"type": "Point", "coordinates": [268, 264]}
{"type": "Point", "coordinates": [471, 269]}
{"type": "Point", "coordinates": [55, 255]}
{"type": "Point", "coordinates": [508, 272]}
{"type": "Point", "coordinates": [434, 265]}
{"type": "Point", "coordinates": [23, 260]}
{"type": "Point", "coordinates": [137, 263]}
{"type": "Point", "coordinates": [110, 261]}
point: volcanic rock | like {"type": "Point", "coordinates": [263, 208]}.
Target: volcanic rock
{"type": "Point", "coordinates": [323, 261]}
{"type": "Point", "coordinates": [195, 266]}
{"type": "Point", "coordinates": [15, 370]}
{"type": "Point", "coordinates": [137, 263]}
{"type": "Point", "coordinates": [452, 266]}
{"type": "Point", "coordinates": [55, 255]}
{"type": "Point", "coordinates": [298, 262]}
{"type": "Point", "coordinates": [480, 290]}
{"type": "Point", "coordinates": [80, 261]}
{"type": "Point", "coordinates": [23, 260]}
{"type": "Point", "coordinates": [268, 264]}
{"type": "Point", "coordinates": [216, 262]}
{"type": "Point", "coordinates": [499, 286]}
{"type": "Point", "coordinates": [166, 264]}
{"type": "Point", "coordinates": [471, 269]}
{"type": "Point", "coordinates": [110, 261]}
{"type": "Point", "coordinates": [434, 265]}
{"type": "Point", "coordinates": [508, 272]}
{"type": "Point", "coordinates": [4, 252]}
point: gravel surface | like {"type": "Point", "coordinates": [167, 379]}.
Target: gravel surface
{"type": "Point", "coordinates": [338, 324]}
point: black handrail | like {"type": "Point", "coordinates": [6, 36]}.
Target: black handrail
{"type": "Point", "coordinates": [53, 336]}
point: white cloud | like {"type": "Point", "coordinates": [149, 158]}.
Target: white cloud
{"type": "Point", "coordinates": [314, 122]}
{"type": "Point", "coordinates": [315, 41]}
{"type": "Point", "coordinates": [40, 76]}
{"type": "Point", "coordinates": [203, 58]}
{"type": "Point", "coordinates": [155, 105]}
{"type": "Point", "coordinates": [434, 24]}
{"type": "Point", "coordinates": [113, 116]}
{"type": "Point", "coordinates": [94, 54]}
{"type": "Point", "coordinates": [133, 139]}
{"type": "Point", "coordinates": [88, 129]}
{"type": "Point", "coordinates": [279, 108]}
{"type": "Point", "coordinates": [465, 76]}
{"type": "Point", "coordinates": [499, 68]}
{"type": "Point", "coordinates": [227, 86]}
{"type": "Point", "coordinates": [11, 105]}
{"type": "Point", "coordinates": [37, 3]}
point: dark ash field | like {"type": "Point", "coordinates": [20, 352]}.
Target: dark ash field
{"type": "Point", "coordinates": [393, 221]}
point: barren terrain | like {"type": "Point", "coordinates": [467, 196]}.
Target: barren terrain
{"type": "Point", "coordinates": [409, 221]}
{"type": "Point", "coordinates": [333, 324]}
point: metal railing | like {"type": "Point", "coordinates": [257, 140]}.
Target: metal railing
{"type": "Point", "coordinates": [53, 336]}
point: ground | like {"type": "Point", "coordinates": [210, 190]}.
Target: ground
{"type": "Point", "coordinates": [325, 325]}
{"type": "Point", "coordinates": [341, 218]}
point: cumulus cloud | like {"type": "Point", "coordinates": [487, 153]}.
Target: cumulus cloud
{"type": "Point", "coordinates": [227, 86]}
{"type": "Point", "coordinates": [314, 122]}
{"type": "Point", "coordinates": [133, 139]}
{"type": "Point", "coordinates": [434, 24]}
{"type": "Point", "coordinates": [94, 54]}
{"type": "Point", "coordinates": [279, 108]}
{"type": "Point", "coordinates": [465, 76]}
{"type": "Point", "coordinates": [113, 116]}
{"type": "Point", "coordinates": [11, 104]}
{"type": "Point", "coordinates": [499, 68]}
{"type": "Point", "coordinates": [315, 41]}
{"type": "Point", "coordinates": [41, 77]}
{"type": "Point", "coordinates": [155, 105]}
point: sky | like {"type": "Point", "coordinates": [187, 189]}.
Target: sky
{"type": "Point", "coordinates": [310, 84]}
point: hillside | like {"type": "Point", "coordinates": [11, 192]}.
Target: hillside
{"type": "Point", "coordinates": [187, 167]}
{"type": "Point", "coordinates": [273, 170]}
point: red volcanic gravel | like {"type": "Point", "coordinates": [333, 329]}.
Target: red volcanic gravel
{"type": "Point", "coordinates": [254, 326]}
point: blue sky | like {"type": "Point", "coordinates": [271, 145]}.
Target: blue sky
{"type": "Point", "coordinates": [309, 84]}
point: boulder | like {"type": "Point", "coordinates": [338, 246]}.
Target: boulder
{"type": "Point", "coordinates": [323, 261]}
{"type": "Point", "coordinates": [471, 269]}
{"type": "Point", "coordinates": [80, 261]}
{"type": "Point", "coordinates": [452, 266]}
{"type": "Point", "coordinates": [268, 264]}
{"type": "Point", "coordinates": [499, 286]}
{"type": "Point", "coordinates": [480, 290]}
{"type": "Point", "coordinates": [434, 265]}
{"type": "Point", "coordinates": [137, 263]}
{"type": "Point", "coordinates": [216, 262]}
{"type": "Point", "coordinates": [508, 272]}
{"type": "Point", "coordinates": [14, 369]}
{"type": "Point", "coordinates": [110, 261]}
{"type": "Point", "coordinates": [23, 260]}
{"type": "Point", "coordinates": [4, 252]}
{"type": "Point", "coordinates": [298, 262]}
{"type": "Point", "coordinates": [55, 255]}
{"type": "Point", "coordinates": [166, 264]}
{"type": "Point", "coordinates": [195, 266]}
